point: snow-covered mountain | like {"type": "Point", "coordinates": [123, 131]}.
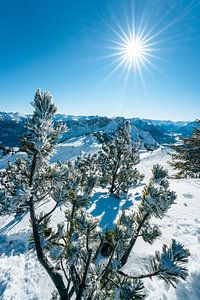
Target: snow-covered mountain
{"type": "Point", "coordinates": [150, 133]}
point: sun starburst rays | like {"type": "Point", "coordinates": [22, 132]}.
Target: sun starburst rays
{"type": "Point", "coordinates": [138, 38]}
{"type": "Point", "coordinates": [136, 43]}
{"type": "Point", "coordinates": [132, 49]}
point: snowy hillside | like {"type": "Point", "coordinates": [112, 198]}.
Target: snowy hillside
{"type": "Point", "coordinates": [21, 276]}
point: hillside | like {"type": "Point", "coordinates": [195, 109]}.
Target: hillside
{"type": "Point", "coordinates": [21, 276]}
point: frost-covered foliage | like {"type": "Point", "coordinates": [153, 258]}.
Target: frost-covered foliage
{"type": "Point", "coordinates": [186, 158]}
{"type": "Point", "coordinates": [15, 191]}
{"type": "Point", "coordinates": [170, 263]}
{"type": "Point", "coordinates": [42, 136]}
{"type": "Point", "coordinates": [31, 176]}
{"type": "Point", "coordinates": [156, 197]}
{"type": "Point", "coordinates": [87, 171]}
{"type": "Point", "coordinates": [82, 261]}
{"type": "Point", "coordinates": [117, 159]}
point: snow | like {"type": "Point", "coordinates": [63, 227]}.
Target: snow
{"type": "Point", "coordinates": [22, 277]}
{"type": "Point", "coordinates": [65, 151]}
{"type": "Point", "coordinates": [182, 223]}
{"type": "Point", "coordinates": [114, 207]}
{"type": "Point", "coordinates": [69, 150]}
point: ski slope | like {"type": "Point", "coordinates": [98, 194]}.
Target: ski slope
{"type": "Point", "coordinates": [22, 277]}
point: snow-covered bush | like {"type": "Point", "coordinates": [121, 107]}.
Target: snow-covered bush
{"type": "Point", "coordinates": [82, 261]}
{"type": "Point", "coordinates": [117, 159]}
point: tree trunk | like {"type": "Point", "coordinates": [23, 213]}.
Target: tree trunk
{"type": "Point", "coordinates": [112, 188]}
{"type": "Point", "coordinates": [54, 275]}
{"type": "Point", "coordinates": [133, 241]}
{"type": "Point", "coordinates": [113, 183]}
{"type": "Point", "coordinates": [83, 283]}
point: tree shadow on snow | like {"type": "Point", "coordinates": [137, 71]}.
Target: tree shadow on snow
{"type": "Point", "coordinates": [137, 196]}
{"type": "Point", "coordinates": [189, 290]}
{"type": "Point", "coordinates": [107, 208]}
{"type": "Point", "coordinates": [3, 286]}
{"type": "Point", "coordinates": [13, 244]}
{"type": "Point", "coordinates": [11, 224]}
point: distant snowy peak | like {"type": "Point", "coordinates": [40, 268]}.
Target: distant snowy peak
{"type": "Point", "coordinates": [10, 116]}
{"type": "Point", "coordinates": [144, 137]}
{"type": "Point", "coordinates": [150, 133]}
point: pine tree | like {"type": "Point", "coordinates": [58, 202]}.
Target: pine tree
{"type": "Point", "coordinates": [117, 159]}
{"type": "Point", "coordinates": [186, 158]}
{"type": "Point", "coordinates": [72, 254]}
{"type": "Point", "coordinates": [28, 181]}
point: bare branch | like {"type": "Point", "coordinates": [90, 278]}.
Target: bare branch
{"type": "Point", "coordinates": [48, 214]}
{"type": "Point", "coordinates": [83, 283]}
{"type": "Point", "coordinates": [149, 275]}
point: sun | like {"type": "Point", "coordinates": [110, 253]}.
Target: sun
{"type": "Point", "coordinates": [136, 41]}
{"type": "Point", "coordinates": [133, 51]}
{"type": "Point", "coordinates": [133, 46]}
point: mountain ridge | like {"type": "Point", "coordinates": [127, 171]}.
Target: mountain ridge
{"type": "Point", "coordinates": [150, 133]}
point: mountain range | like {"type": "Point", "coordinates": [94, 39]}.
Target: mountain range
{"type": "Point", "coordinates": [150, 133]}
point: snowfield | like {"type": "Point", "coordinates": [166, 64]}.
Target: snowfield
{"type": "Point", "coordinates": [22, 277]}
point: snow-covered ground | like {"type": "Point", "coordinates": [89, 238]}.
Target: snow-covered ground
{"type": "Point", "coordinates": [22, 278]}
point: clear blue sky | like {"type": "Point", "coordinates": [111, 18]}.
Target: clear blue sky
{"type": "Point", "coordinates": [60, 46]}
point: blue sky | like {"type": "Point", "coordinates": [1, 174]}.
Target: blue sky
{"type": "Point", "coordinates": [60, 46]}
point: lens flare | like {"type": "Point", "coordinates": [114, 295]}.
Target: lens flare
{"type": "Point", "coordinates": [138, 37]}
{"type": "Point", "coordinates": [136, 41]}
{"type": "Point", "coordinates": [132, 50]}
